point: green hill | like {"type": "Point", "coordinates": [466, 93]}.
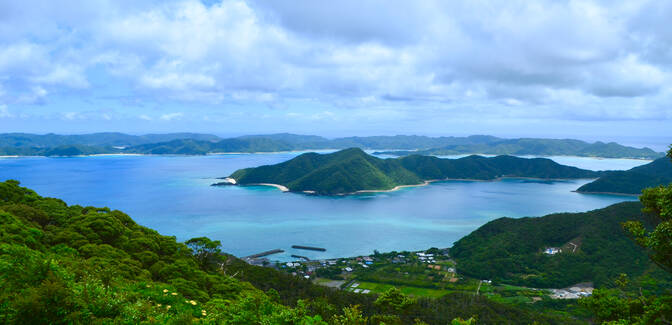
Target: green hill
{"type": "Point", "coordinates": [511, 250]}
{"type": "Point", "coordinates": [633, 181]}
{"type": "Point", "coordinates": [62, 264]}
{"type": "Point", "coordinates": [199, 144]}
{"type": "Point", "coordinates": [538, 147]}
{"type": "Point", "coordinates": [353, 170]}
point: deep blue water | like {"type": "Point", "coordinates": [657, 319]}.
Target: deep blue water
{"type": "Point", "coordinates": [173, 196]}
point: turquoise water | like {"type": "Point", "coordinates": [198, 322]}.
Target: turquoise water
{"type": "Point", "coordinates": [173, 196]}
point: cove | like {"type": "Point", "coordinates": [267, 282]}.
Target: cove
{"type": "Point", "coordinates": [172, 194]}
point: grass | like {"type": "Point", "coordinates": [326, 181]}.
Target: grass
{"type": "Point", "coordinates": [413, 291]}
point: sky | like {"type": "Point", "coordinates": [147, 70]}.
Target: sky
{"type": "Point", "coordinates": [575, 69]}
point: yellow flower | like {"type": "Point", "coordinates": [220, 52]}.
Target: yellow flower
{"type": "Point", "coordinates": [203, 311]}
{"type": "Point", "coordinates": [168, 307]}
{"type": "Point", "coordinates": [174, 293]}
{"type": "Point", "coordinates": [165, 290]}
{"type": "Point", "coordinates": [192, 302]}
{"type": "Point", "coordinates": [158, 305]}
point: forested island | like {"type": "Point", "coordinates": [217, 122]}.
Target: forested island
{"type": "Point", "coordinates": [24, 144]}
{"type": "Point", "coordinates": [352, 170]}
{"type": "Point", "coordinates": [537, 147]}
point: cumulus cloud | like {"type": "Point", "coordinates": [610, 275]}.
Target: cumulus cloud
{"type": "Point", "coordinates": [4, 112]}
{"type": "Point", "coordinates": [542, 59]}
{"type": "Point", "coordinates": [171, 116]}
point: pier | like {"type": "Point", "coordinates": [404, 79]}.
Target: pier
{"type": "Point", "coordinates": [302, 257]}
{"type": "Point", "coordinates": [266, 253]}
{"type": "Point", "coordinates": [310, 248]}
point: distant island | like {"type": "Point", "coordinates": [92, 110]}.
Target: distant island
{"type": "Point", "coordinates": [353, 171]}
{"type": "Point", "coordinates": [633, 181]}
{"type": "Point", "coordinates": [24, 144]}
{"type": "Point", "coordinates": [538, 147]}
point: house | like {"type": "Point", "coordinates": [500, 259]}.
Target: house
{"type": "Point", "coordinates": [552, 250]}
{"type": "Point", "coordinates": [348, 269]}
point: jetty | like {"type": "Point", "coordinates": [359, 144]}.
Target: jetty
{"type": "Point", "coordinates": [302, 257]}
{"type": "Point", "coordinates": [266, 253]}
{"type": "Point", "coordinates": [310, 248]}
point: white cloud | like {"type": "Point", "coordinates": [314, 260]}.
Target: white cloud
{"type": "Point", "coordinates": [548, 59]}
{"type": "Point", "coordinates": [172, 116]}
{"type": "Point", "coordinates": [4, 112]}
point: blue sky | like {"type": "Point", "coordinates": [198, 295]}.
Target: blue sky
{"type": "Point", "coordinates": [578, 69]}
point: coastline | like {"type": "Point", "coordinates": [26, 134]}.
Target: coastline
{"type": "Point", "coordinates": [321, 151]}
{"type": "Point", "coordinates": [381, 152]}
{"type": "Point", "coordinates": [283, 188]}
{"type": "Point", "coordinates": [607, 193]}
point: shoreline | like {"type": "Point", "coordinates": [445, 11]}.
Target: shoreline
{"type": "Point", "coordinates": [283, 188]}
{"type": "Point", "coordinates": [607, 193]}
{"type": "Point", "coordinates": [427, 182]}
{"type": "Point", "coordinates": [320, 151]}
{"type": "Point", "coordinates": [381, 152]}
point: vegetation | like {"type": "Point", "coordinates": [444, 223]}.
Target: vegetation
{"type": "Point", "coordinates": [622, 306]}
{"type": "Point", "coordinates": [594, 249]}
{"type": "Point", "coordinates": [200, 144]}
{"type": "Point", "coordinates": [352, 170]}
{"type": "Point", "coordinates": [633, 181]}
{"type": "Point", "coordinates": [539, 147]}
{"type": "Point", "coordinates": [63, 264]}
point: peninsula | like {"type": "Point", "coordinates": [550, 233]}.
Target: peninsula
{"type": "Point", "coordinates": [351, 171]}
{"type": "Point", "coordinates": [632, 181]}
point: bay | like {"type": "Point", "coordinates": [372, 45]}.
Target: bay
{"type": "Point", "coordinates": [172, 194]}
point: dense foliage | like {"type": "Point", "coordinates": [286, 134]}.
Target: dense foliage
{"type": "Point", "coordinates": [540, 147]}
{"type": "Point", "coordinates": [352, 170]}
{"type": "Point", "coordinates": [199, 144]}
{"type": "Point", "coordinates": [633, 181]}
{"type": "Point", "coordinates": [622, 306]}
{"type": "Point", "coordinates": [63, 264]}
{"type": "Point", "coordinates": [594, 249]}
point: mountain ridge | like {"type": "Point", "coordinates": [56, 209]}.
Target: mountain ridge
{"type": "Point", "coordinates": [352, 170]}
{"type": "Point", "coordinates": [25, 144]}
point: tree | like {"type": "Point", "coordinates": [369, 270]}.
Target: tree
{"type": "Point", "coordinates": [393, 301]}
{"type": "Point", "coordinates": [207, 252]}
{"type": "Point", "coordinates": [613, 306]}
{"type": "Point", "coordinates": [351, 316]}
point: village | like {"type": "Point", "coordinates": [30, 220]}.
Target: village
{"type": "Point", "coordinates": [430, 273]}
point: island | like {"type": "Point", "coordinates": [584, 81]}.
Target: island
{"type": "Point", "coordinates": [632, 181]}
{"type": "Point", "coordinates": [25, 144]}
{"type": "Point", "coordinates": [535, 147]}
{"type": "Point", "coordinates": [352, 171]}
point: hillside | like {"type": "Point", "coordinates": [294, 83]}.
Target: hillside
{"type": "Point", "coordinates": [63, 264]}
{"type": "Point", "coordinates": [538, 147]}
{"type": "Point", "coordinates": [353, 170]}
{"type": "Point", "coordinates": [200, 144]}
{"type": "Point", "coordinates": [25, 144]}
{"type": "Point", "coordinates": [511, 250]}
{"type": "Point", "coordinates": [633, 181]}
{"type": "Point", "coordinates": [196, 147]}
